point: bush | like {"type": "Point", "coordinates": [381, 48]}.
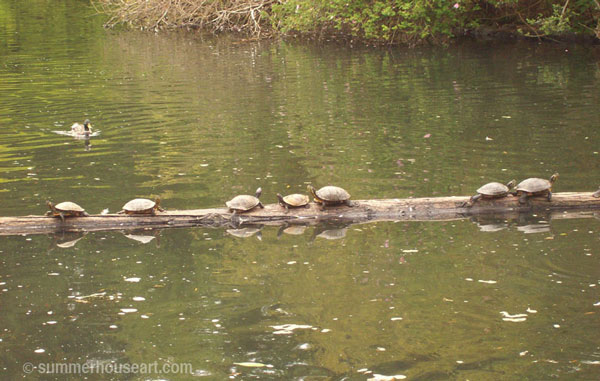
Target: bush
{"type": "Point", "coordinates": [380, 21]}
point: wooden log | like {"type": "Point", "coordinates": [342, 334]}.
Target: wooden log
{"type": "Point", "coordinates": [415, 209]}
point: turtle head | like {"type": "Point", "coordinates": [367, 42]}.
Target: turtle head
{"type": "Point", "coordinates": [280, 198]}
{"type": "Point", "coordinates": [87, 125]}
{"type": "Point", "coordinates": [258, 192]}
{"type": "Point", "coordinates": [50, 205]}
{"type": "Point", "coordinates": [553, 178]}
{"type": "Point", "coordinates": [511, 184]}
{"type": "Point", "coordinates": [157, 201]}
{"type": "Point", "coordinates": [311, 190]}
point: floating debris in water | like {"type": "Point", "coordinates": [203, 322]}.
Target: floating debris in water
{"type": "Point", "coordinates": [251, 364]}
{"type": "Point", "coordinates": [128, 310]}
{"type": "Point", "coordinates": [531, 311]}
{"type": "Point", "coordinates": [517, 318]}
{"type": "Point", "coordinates": [396, 318]}
{"type": "Point", "coordinates": [487, 281]}
{"type": "Point", "coordinates": [287, 329]}
{"type": "Point", "coordinates": [40, 350]}
{"type": "Point", "coordinates": [133, 279]}
{"type": "Point", "coordinates": [94, 295]}
{"type": "Point", "coordinates": [138, 298]}
{"type": "Point", "coordinates": [410, 251]}
{"type": "Point", "coordinates": [523, 353]}
{"type": "Point", "coordinates": [587, 362]}
{"type": "Point", "coordinates": [381, 377]}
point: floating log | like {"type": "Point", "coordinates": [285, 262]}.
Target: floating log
{"type": "Point", "coordinates": [415, 209]}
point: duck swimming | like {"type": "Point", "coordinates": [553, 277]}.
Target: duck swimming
{"type": "Point", "coordinates": [82, 129]}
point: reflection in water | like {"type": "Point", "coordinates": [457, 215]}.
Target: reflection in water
{"type": "Point", "coordinates": [247, 232]}
{"type": "Point", "coordinates": [142, 238]}
{"type": "Point", "coordinates": [66, 240]}
{"type": "Point", "coordinates": [297, 305]}
{"type": "Point", "coordinates": [332, 233]}
{"type": "Point", "coordinates": [537, 228]}
{"type": "Point", "coordinates": [492, 227]}
{"type": "Point", "coordinates": [291, 229]}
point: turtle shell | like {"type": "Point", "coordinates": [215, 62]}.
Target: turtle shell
{"type": "Point", "coordinates": [296, 199]}
{"type": "Point", "coordinates": [69, 206]}
{"type": "Point", "coordinates": [242, 202]}
{"type": "Point", "coordinates": [533, 185]}
{"type": "Point", "coordinates": [139, 205]}
{"type": "Point", "coordinates": [333, 194]}
{"type": "Point", "coordinates": [493, 189]}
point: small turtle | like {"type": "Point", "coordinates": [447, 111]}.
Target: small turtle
{"type": "Point", "coordinates": [330, 195]}
{"type": "Point", "coordinates": [596, 193]}
{"type": "Point", "coordinates": [491, 190]}
{"type": "Point", "coordinates": [142, 206]}
{"type": "Point", "coordinates": [535, 187]}
{"type": "Point", "coordinates": [244, 202]}
{"type": "Point", "coordinates": [295, 200]}
{"type": "Point", "coordinates": [65, 209]}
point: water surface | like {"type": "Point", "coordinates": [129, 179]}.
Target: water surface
{"type": "Point", "coordinates": [196, 119]}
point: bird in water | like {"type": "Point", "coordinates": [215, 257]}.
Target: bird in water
{"type": "Point", "coordinates": [82, 129]}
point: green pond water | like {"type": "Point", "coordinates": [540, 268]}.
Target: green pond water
{"type": "Point", "coordinates": [196, 120]}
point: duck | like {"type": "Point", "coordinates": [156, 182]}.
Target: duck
{"type": "Point", "coordinates": [82, 129]}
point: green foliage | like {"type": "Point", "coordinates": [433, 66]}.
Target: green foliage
{"type": "Point", "coordinates": [413, 21]}
{"type": "Point", "coordinates": [381, 21]}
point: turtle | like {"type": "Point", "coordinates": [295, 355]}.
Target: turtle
{"type": "Point", "coordinates": [294, 200]}
{"type": "Point", "coordinates": [244, 202]}
{"type": "Point", "coordinates": [491, 190]}
{"type": "Point", "coordinates": [535, 187]}
{"type": "Point", "coordinates": [330, 195]}
{"type": "Point", "coordinates": [65, 209]}
{"type": "Point", "coordinates": [596, 193]}
{"type": "Point", "coordinates": [142, 206]}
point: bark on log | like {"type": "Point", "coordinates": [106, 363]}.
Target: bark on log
{"type": "Point", "coordinates": [416, 209]}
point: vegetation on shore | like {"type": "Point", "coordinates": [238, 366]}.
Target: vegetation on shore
{"type": "Point", "coordinates": [378, 21]}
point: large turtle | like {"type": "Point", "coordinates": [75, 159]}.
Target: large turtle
{"type": "Point", "coordinates": [535, 187]}
{"type": "Point", "coordinates": [294, 200]}
{"type": "Point", "coordinates": [65, 209]}
{"type": "Point", "coordinates": [142, 206]}
{"type": "Point", "coordinates": [330, 195]}
{"type": "Point", "coordinates": [491, 190]}
{"type": "Point", "coordinates": [244, 203]}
